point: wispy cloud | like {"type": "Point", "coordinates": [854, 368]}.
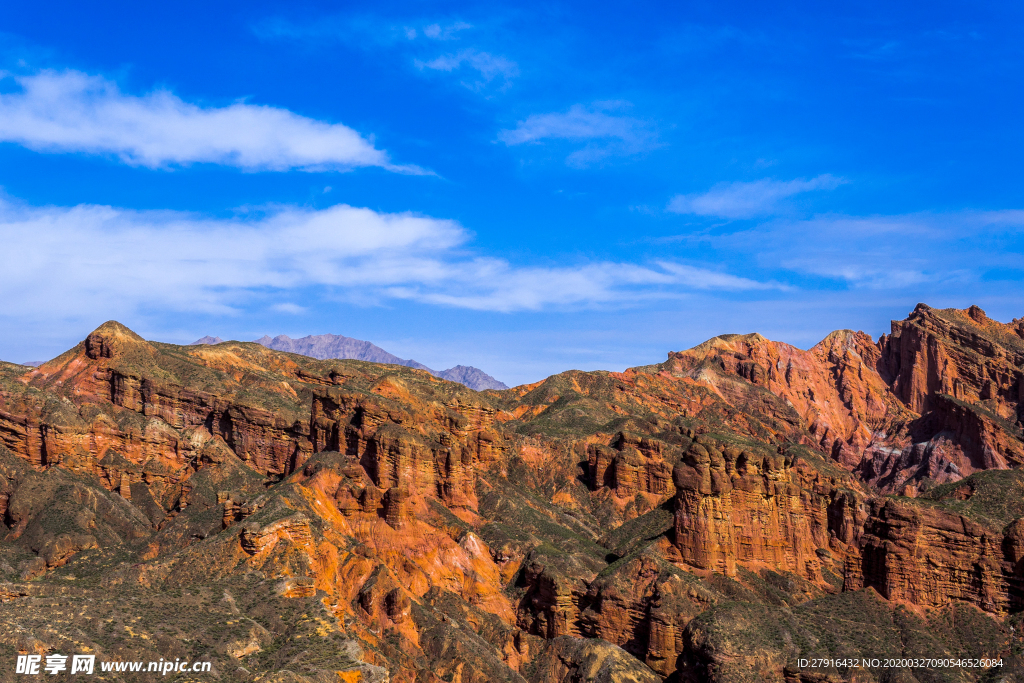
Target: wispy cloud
{"type": "Point", "coordinates": [70, 111]}
{"type": "Point", "coordinates": [288, 307]}
{"type": "Point", "coordinates": [440, 31]}
{"type": "Point", "coordinates": [874, 51]}
{"type": "Point", "coordinates": [701, 278]}
{"type": "Point", "coordinates": [84, 261]}
{"type": "Point", "coordinates": [601, 125]}
{"type": "Point", "coordinates": [749, 199]}
{"type": "Point", "coordinates": [592, 284]}
{"type": "Point", "coordinates": [487, 67]}
{"type": "Point", "coordinates": [360, 30]}
{"type": "Point", "coordinates": [477, 69]}
{"type": "Point", "coordinates": [925, 252]}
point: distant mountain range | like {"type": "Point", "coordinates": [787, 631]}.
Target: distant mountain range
{"type": "Point", "coordinates": [324, 346]}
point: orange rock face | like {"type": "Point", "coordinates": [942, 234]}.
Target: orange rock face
{"type": "Point", "coordinates": [740, 507]}
{"type": "Point", "coordinates": [938, 398]}
{"type": "Point", "coordinates": [963, 354]}
{"type": "Point", "coordinates": [434, 451]}
{"type": "Point", "coordinates": [932, 558]}
{"type": "Point", "coordinates": [152, 446]}
{"type": "Point", "coordinates": [834, 388]}
{"type": "Point", "coordinates": [633, 465]}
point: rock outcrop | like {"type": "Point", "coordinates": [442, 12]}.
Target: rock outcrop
{"type": "Point", "coordinates": [928, 557]}
{"type": "Point", "coordinates": [939, 398]}
{"type": "Point", "coordinates": [739, 506]}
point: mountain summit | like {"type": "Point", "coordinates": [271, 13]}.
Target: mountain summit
{"type": "Point", "coordinates": [324, 346]}
{"type": "Point", "coordinates": [327, 346]}
{"type": "Point", "coordinates": [207, 340]}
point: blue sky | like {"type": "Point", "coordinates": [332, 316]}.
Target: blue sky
{"type": "Point", "coordinates": [526, 188]}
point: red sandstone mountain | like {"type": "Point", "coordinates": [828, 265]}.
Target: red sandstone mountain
{"type": "Point", "coordinates": [939, 398]}
{"type": "Point", "coordinates": [719, 516]}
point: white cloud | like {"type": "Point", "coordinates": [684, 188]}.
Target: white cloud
{"type": "Point", "coordinates": [85, 261]}
{"type": "Point", "coordinates": [533, 289]}
{"type": "Point", "coordinates": [924, 252]}
{"type": "Point", "coordinates": [488, 66]}
{"type": "Point", "coordinates": [362, 31]}
{"type": "Point", "coordinates": [286, 307]}
{"type": "Point", "coordinates": [606, 131]}
{"type": "Point", "coordinates": [476, 69]}
{"type": "Point", "coordinates": [699, 278]}
{"type": "Point", "coordinates": [443, 32]}
{"type": "Point", "coordinates": [69, 111]}
{"type": "Point", "coordinates": [750, 199]}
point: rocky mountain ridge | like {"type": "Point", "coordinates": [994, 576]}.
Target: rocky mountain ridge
{"type": "Point", "coordinates": [720, 516]}
{"type": "Point", "coordinates": [325, 346]}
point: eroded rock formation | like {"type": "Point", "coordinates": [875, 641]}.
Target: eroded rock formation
{"type": "Point", "coordinates": [593, 526]}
